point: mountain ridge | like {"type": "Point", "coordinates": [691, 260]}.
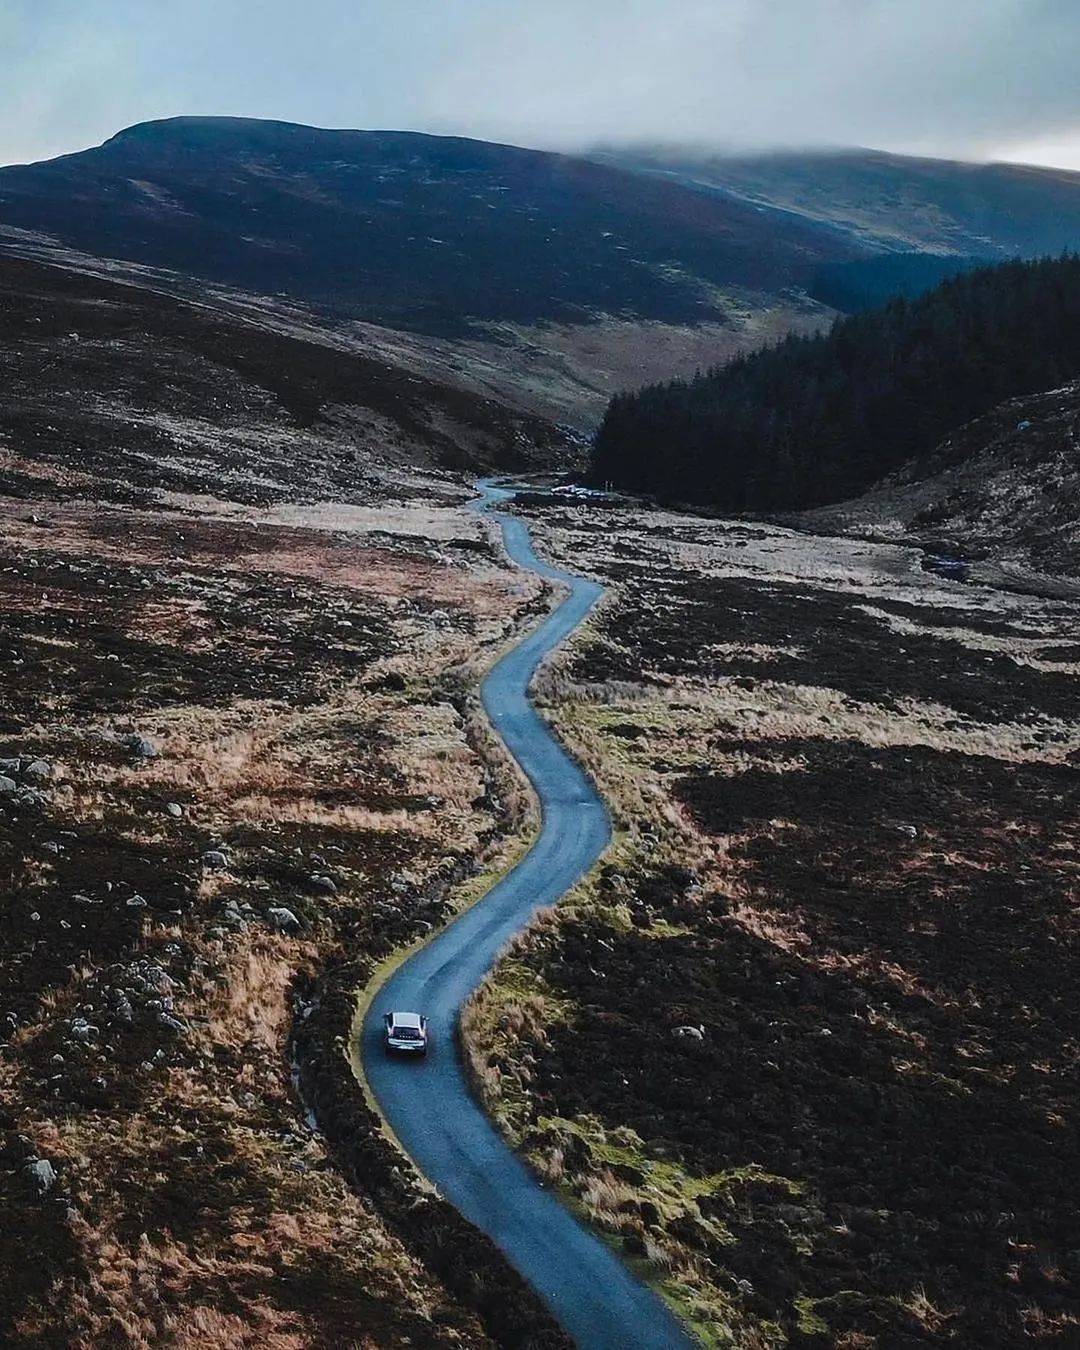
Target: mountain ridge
{"type": "Point", "coordinates": [419, 230]}
{"type": "Point", "coordinates": [887, 200]}
{"type": "Point", "coordinates": [539, 279]}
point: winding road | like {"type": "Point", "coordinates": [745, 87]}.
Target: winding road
{"type": "Point", "coordinates": [428, 1103]}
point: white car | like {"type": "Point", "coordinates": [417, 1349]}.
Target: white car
{"type": "Point", "coordinates": [406, 1033]}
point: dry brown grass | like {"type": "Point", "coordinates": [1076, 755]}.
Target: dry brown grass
{"type": "Point", "coordinates": [203, 1210]}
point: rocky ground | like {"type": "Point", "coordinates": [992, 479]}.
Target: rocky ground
{"type": "Point", "coordinates": [226, 753]}
{"type": "Point", "coordinates": [1002, 493]}
{"type": "Point", "coordinates": [806, 1045]}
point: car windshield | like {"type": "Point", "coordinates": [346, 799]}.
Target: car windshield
{"type": "Point", "coordinates": [405, 1033]}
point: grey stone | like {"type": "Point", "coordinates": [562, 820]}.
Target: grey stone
{"type": "Point", "coordinates": [214, 859]}
{"type": "Point", "coordinates": [284, 920]}
{"type": "Point", "coordinates": [41, 1174]}
{"type": "Point", "coordinates": [323, 884]}
{"type": "Point", "coordinates": [38, 771]}
{"type": "Point", "coordinates": [8, 786]}
{"type": "Point", "coordinates": [82, 1030]}
{"type": "Point", "coordinates": [688, 1033]}
{"type": "Point", "coordinates": [154, 975]}
{"type": "Point", "coordinates": [174, 809]}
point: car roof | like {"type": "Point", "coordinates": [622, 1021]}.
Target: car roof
{"type": "Point", "coordinates": [406, 1019]}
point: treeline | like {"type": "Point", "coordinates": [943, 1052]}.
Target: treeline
{"type": "Point", "coordinates": [816, 420]}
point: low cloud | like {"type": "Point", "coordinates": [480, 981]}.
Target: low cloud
{"type": "Point", "coordinates": [966, 77]}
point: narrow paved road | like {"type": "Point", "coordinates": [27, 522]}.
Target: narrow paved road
{"type": "Point", "coordinates": [428, 1103]}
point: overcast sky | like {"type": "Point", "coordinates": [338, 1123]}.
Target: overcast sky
{"type": "Point", "coordinates": [973, 78]}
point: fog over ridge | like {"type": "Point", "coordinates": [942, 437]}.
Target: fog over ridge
{"type": "Point", "coordinates": [968, 79]}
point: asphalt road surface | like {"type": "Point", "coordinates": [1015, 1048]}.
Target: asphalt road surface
{"type": "Point", "coordinates": [428, 1102]}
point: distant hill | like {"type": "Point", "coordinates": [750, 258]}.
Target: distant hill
{"type": "Point", "coordinates": [542, 279]}
{"type": "Point", "coordinates": [1005, 485]}
{"type": "Point", "coordinates": [895, 202]}
{"type": "Point", "coordinates": [815, 420]}
{"type": "Point", "coordinates": [418, 231]}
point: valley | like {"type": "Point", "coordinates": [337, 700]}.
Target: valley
{"type": "Point", "coordinates": [798, 1054]}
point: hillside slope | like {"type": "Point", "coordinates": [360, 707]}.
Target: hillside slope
{"type": "Point", "coordinates": [139, 393]}
{"type": "Point", "coordinates": [238, 767]}
{"type": "Point", "coordinates": [517, 274]}
{"type": "Point", "coordinates": [1007, 485]}
{"type": "Point", "coordinates": [419, 231]}
{"type": "Point", "coordinates": [899, 202]}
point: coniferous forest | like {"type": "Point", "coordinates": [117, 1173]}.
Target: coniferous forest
{"type": "Point", "coordinates": [855, 285]}
{"type": "Point", "coordinates": [819, 419]}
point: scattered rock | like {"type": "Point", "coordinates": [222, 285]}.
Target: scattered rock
{"type": "Point", "coordinates": [284, 920]}
{"type": "Point", "coordinates": [323, 884]}
{"type": "Point", "coordinates": [174, 809]}
{"type": "Point", "coordinates": [215, 859]}
{"type": "Point", "coordinates": [688, 1033]}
